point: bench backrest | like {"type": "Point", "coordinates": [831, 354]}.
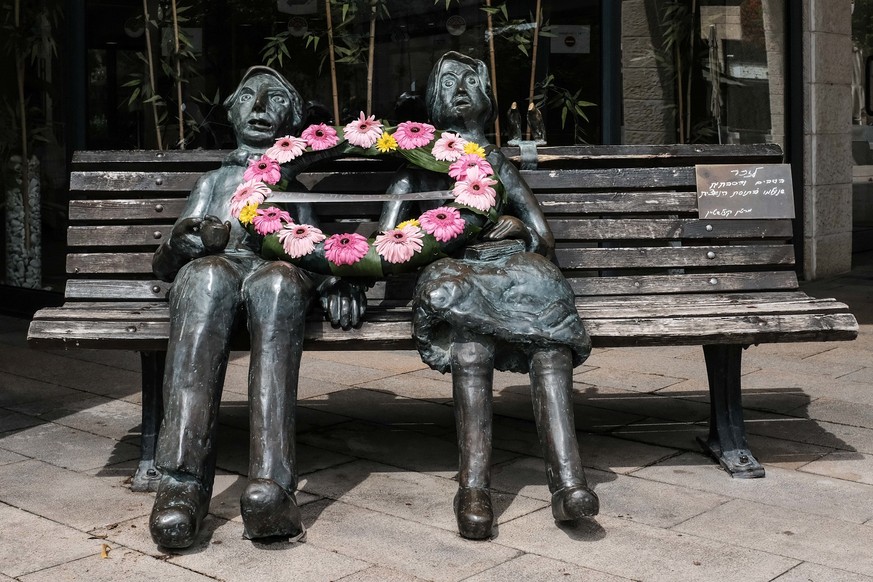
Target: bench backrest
{"type": "Point", "coordinates": [625, 218]}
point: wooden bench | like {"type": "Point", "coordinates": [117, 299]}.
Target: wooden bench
{"type": "Point", "coordinates": [646, 270]}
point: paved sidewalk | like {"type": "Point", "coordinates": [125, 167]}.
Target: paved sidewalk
{"type": "Point", "coordinates": [377, 459]}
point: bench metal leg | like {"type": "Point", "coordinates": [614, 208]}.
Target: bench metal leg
{"type": "Point", "coordinates": [727, 435]}
{"type": "Point", "coordinates": [147, 475]}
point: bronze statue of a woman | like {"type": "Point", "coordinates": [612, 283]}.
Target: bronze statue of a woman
{"type": "Point", "coordinates": [512, 313]}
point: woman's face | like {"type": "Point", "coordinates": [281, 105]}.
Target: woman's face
{"type": "Point", "coordinates": [460, 96]}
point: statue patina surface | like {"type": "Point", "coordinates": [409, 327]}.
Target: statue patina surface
{"type": "Point", "coordinates": [515, 312]}
{"type": "Point", "coordinates": [220, 282]}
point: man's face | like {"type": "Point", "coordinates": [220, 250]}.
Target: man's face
{"type": "Point", "coordinates": [461, 95]}
{"type": "Point", "coordinates": [261, 111]}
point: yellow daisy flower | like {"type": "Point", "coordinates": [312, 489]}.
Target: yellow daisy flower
{"type": "Point", "coordinates": [410, 222]}
{"type": "Point", "coordinates": [474, 148]}
{"type": "Point", "coordinates": [248, 213]}
{"type": "Point", "coordinates": [386, 143]}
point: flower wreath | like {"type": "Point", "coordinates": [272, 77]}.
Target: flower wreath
{"type": "Point", "coordinates": [477, 192]}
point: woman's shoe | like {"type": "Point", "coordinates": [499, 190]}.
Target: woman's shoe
{"type": "Point", "coordinates": [474, 513]}
{"type": "Point", "coordinates": [180, 506]}
{"type": "Point", "coordinates": [269, 510]}
{"type": "Point", "coordinates": [570, 503]}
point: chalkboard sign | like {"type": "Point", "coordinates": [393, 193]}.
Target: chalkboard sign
{"type": "Point", "coordinates": [744, 191]}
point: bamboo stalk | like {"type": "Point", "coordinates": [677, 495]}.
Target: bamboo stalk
{"type": "Point", "coordinates": [370, 57]}
{"type": "Point", "coordinates": [178, 77]}
{"type": "Point", "coordinates": [22, 112]}
{"type": "Point", "coordinates": [150, 59]}
{"type": "Point", "coordinates": [336, 118]}
{"type": "Point", "coordinates": [690, 71]}
{"type": "Point", "coordinates": [533, 58]}
{"type": "Point", "coordinates": [493, 74]}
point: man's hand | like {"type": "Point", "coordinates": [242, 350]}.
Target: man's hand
{"type": "Point", "coordinates": [513, 227]}
{"type": "Point", "coordinates": [344, 303]}
{"type": "Point", "coordinates": [195, 236]}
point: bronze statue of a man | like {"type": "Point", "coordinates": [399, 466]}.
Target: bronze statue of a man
{"type": "Point", "coordinates": [220, 280]}
{"type": "Point", "coordinates": [512, 313]}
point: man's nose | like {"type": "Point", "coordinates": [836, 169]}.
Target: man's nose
{"type": "Point", "coordinates": [261, 100]}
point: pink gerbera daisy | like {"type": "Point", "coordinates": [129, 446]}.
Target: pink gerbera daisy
{"type": "Point", "coordinates": [286, 149]}
{"type": "Point", "coordinates": [476, 191]}
{"type": "Point", "coordinates": [345, 249]}
{"type": "Point", "coordinates": [300, 239]}
{"type": "Point", "coordinates": [458, 170]}
{"type": "Point", "coordinates": [270, 220]}
{"type": "Point", "coordinates": [412, 134]}
{"type": "Point", "coordinates": [399, 244]}
{"type": "Point", "coordinates": [449, 147]}
{"type": "Point", "coordinates": [363, 132]}
{"type": "Point", "coordinates": [251, 192]}
{"type": "Point", "coordinates": [320, 137]}
{"type": "Point", "coordinates": [264, 169]}
{"type": "Point", "coordinates": [443, 223]}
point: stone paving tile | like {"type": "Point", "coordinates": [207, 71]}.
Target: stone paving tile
{"type": "Point", "coordinates": [790, 490]}
{"type": "Point", "coordinates": [532, 568]}
{"type": "Point", "coordinates": [812, 384]}
{"type": "Point", "coordinates": [803, 536]}
{"type": "Point", "coordinates": [396, 361]}
{"type": "Point", "coordinates": [622, 496]}
{"type": "Point", "coordinates": [32, 543]}
{"type": "Point", "coordinates": [221, 552]}
{"type": "Point", "coordinates": [11, 422]}
{"type": "Point", "coordinates": [807, 572]}
{"type": "Point", "coordinates": [340, 373]}
{"type": "Point", "coordinates": [67, 447]}
{"type": "Point", "coordinates": [815, 432]}
{"type": "Point", "coordinates": [627, 379]}
{"type": "Point", "coordinates": [409, 450]}
{"type": "Point", "coordinates": [814, 365]}
{"type": "Point", "coordinates": [425, 552]}
{"type": "Point", "coordinates": [377, 574]}
{"type": "Point", "coordinates": [793, 350]}
{"type": "Point", "coordinates": [127, 360]}
{"type": "Point", "coordinates": [649, 405]}
{"type": "Point", "coordinates": [121, 564]}
{"type": "Point", "coordinates": [384, 408]}
{"type": "Point", "coordinates": [688, 362]}
{"type": "Point", "coordinates": [846, 466]}
{"type": "Point", "coordinates": [638, 551]}
{"type": "Point", "coordinates": [838, 411]}
{"type": "Point", "coordinates": [8, 457]}
{"type": "Point", "coordinates": [413, 386]}
{"type": "Point", "coordinates": [80, 501]}
{"type": "Point", "coordinates": [664, 433]}
{"type": "Point", "coordinates": [416, 497]}
{"type": "Point", "coordinates": [863, 376]}
{"type": "Point", "coordinates": [20, 390]}
{"type": "Point", "coordinates": [57, 369]}
{"type": "Point", "coordinates": [502, 380]}
{"type": "Point", "coordinates": [115, 419]}
{"type": "Point", "coordinates": [786, 454]}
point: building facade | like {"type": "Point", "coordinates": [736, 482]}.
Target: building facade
{"type": "Point", "coordinates": [791, 72]}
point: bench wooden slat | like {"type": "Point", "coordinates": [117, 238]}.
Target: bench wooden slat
{"type": "Point", "coordinates": [667, 202]}
{"type": "Point", "coordinates": [121, 181]}
{"type": "Point", "coordinates": [112, 210]}
{"type": "Point", "coordinates": [686, 309]}
{"type": "Point", "coordinates": [608, 178]}
{"type": "Point", "coordinates": [597, 229]}
{"type": "Point", "coordinates": [613, 258]}
{"type": "Point", "coordinates": [685, 283]}
{"type": "Point", "coordinates": [745, 329]}
{"type": "Point", "coordinates": [116, 289]}
{"type": "Point", "coordinates": [722, 330]}
{"type": "Point", "coordinates": [674, 257]}
{"type": "Point", "coordinates": [577, 229]}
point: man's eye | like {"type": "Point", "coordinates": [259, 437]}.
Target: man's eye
{"type": "Point", "coordinates": [245, 97]}
{"type": "Point", "coordinates": [278, 99]}
{"type": "Point", "coordinates": [472, 81]}
{"type": "Point", "coordinates": [448, 83]}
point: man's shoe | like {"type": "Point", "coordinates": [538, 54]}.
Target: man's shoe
{"type": "Point", "coordinates": [571, 503]}
{"type": "Point", "coordinates": [474, 513]}
{"type": "Point", "coordinates": [180, 506]}
{"type": "Point", "coordinates": [269, 510]}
